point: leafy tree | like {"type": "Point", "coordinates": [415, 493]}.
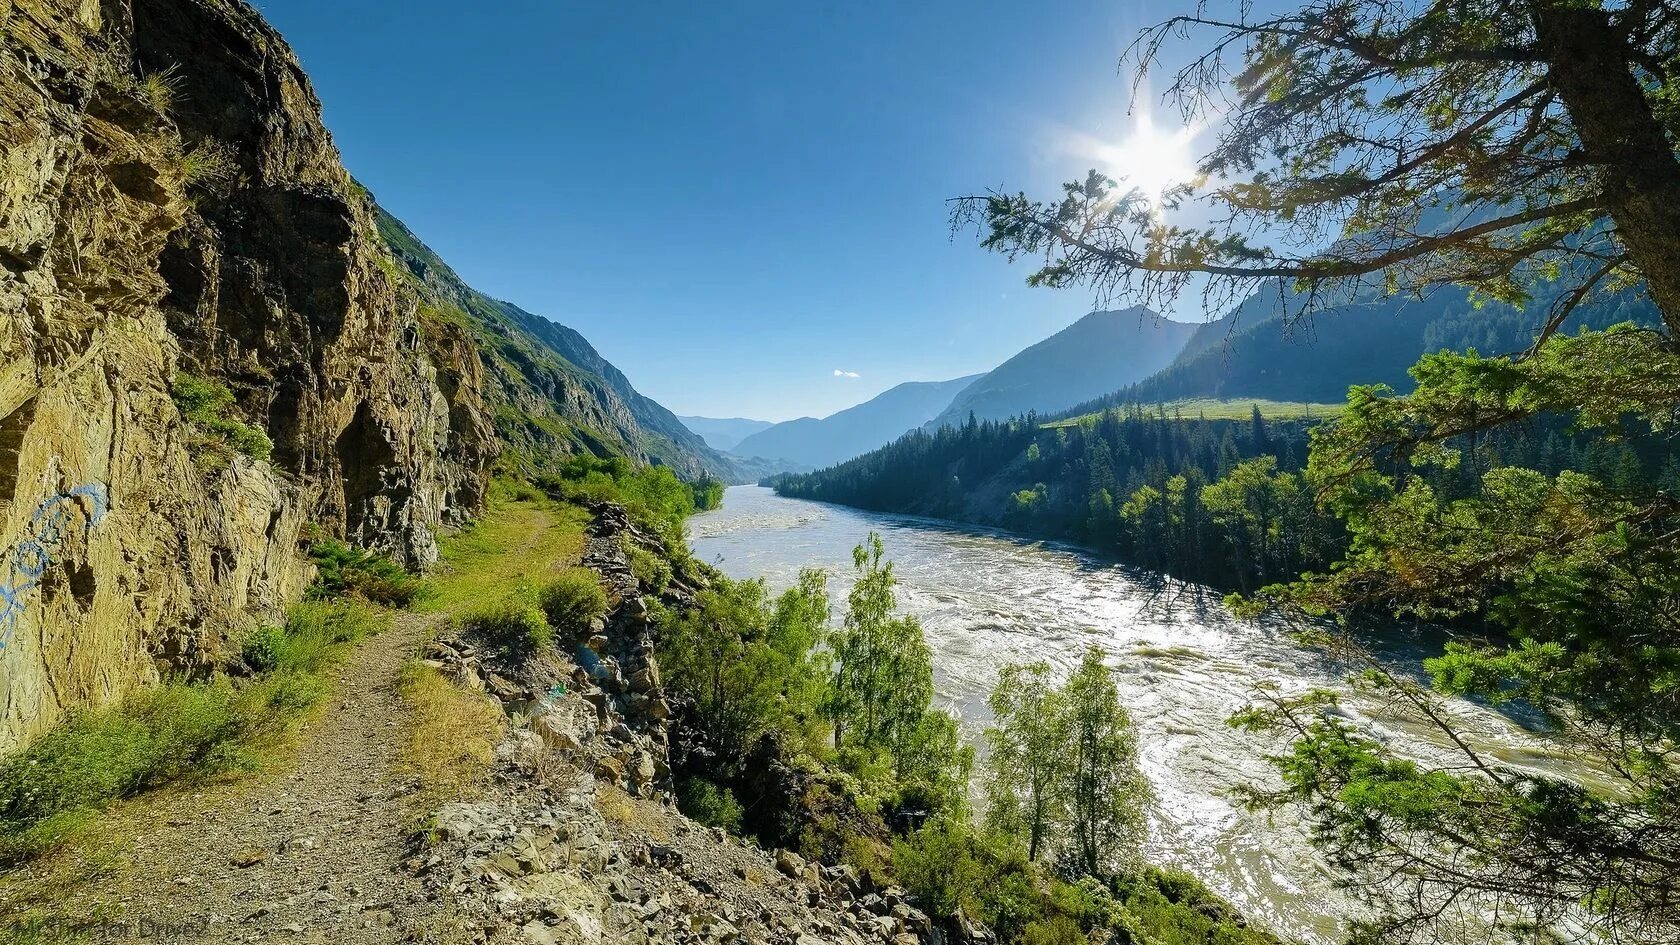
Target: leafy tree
{"type": "Point", "coordinates": [749, 666]}
{"type": "Point", "coordinates": [932, 765]}
{"type": "Point", "coordinates": [1106, 792]}
{"type": "Point", "coordinates": [1575, 582]}
{"type": "Point", "coordinates": [884, 671]}
{"type": "Point", "coordinates": [1028, 758]}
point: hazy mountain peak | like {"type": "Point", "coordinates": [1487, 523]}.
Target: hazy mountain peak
{"type": "Point", "coordinates": [809, 441]}
{"type": "Point", "coordinates": [1099, 353]}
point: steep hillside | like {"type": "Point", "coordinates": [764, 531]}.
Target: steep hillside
{"type": "Point", "coordinates": [207, 348]}
{"type": "Point", "coordinates": [724, 433]}
{"type": "Point", "coordinates": [1253, 352]}
{"type": "Point", "coordinates": [553, 394]}
{"type": "Point", "coordinates": [811, 442]}
{"type": "Point", "coordinates": [1096, 355]}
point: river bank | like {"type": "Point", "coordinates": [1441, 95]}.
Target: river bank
{"type": "Point", "coordinates": [1183, 664]}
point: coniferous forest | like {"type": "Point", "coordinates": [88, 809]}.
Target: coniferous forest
{"type": "Point", "coordinates": [1216, 501]}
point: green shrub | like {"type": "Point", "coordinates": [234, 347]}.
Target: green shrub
{"type": "Point", "coordinates": [572, 600]}
{"type": "Point", "coordinates": [216, 433]}
{"type": "Point", "coordinates": [211, 162]}
{"type": "Point", "coordinates": [311, 636]}
{"type": "Point", "coordinates": [513, 625]}
{"type": "Point", "coordinates": [1010, 899]}
{"type": "Point", "coordinates": [342, 569]}
{"type": "Point", "coordinates": [936, 864]}
{"type": "Point", "coordinates": [652, 571]}
{"type": "Point", "coordinates": [709, 803]}
{"type": "Point", "coordinates": [1056, 930]}
{"type": "Point", "coordinates": [261, 650]}
{"type": "Point", "coordinates": [159, 89]}
{"type": "Point", "coordinates": [49, 788]}
{"type": "Point", "coordinates": [653, 494]}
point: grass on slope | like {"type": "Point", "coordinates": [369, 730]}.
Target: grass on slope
{"type": "Point", "coordinates": [523, 540]}
{"type": "Point", "coordinates": [178, 730]}
{"type": "Point", "coordinates": [453, 735]}
{"type": "Point", "coordinates": [1234, 409]}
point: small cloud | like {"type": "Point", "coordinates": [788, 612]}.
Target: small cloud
{"type": "Point", "coordinates": [846, 374]}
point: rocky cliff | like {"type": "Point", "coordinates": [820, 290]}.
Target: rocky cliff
{"type": "Point", "coordinates": [207, 346]}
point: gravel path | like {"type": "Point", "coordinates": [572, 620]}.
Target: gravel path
{"type": "Point", "coordinates": [310, 852]}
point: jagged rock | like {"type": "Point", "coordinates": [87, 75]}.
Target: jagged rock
{"type": "Point", "coordinates": [555, 732]}
{"type": "Point", "coordinates": [790, 863]}
{"type": "Point", "coordinates": [645, 680]}
{"type": "Point", "coordinates": [121, 275]}
{"type": "Point", "coordinates": [609, 769]}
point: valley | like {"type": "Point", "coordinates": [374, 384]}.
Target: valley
{"type": "Point", "coordinates": [1304, 573]}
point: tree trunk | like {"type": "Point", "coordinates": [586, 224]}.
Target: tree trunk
{"type": "Point", "coordinates": [1590, 66]}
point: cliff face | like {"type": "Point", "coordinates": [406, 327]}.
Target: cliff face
{"type": "Point", "coordinates": [171, 205]}
{"type": "Point", "coordinates": [171, 208]}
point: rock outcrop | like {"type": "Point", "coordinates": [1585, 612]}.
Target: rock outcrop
{"type": "Point", "coordinates": [172, 207]}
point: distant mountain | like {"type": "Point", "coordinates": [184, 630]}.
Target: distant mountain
{"type": "Point", "coordinates": [816, 443]}
{"type": "Point", "coordinates": [723, 434]}
{"type": "Point", "coordinates": [1096, 355]}
{"type": "Point", "coordinates": [1254, 352]}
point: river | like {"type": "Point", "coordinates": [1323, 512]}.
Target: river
{"type": "Point", "coordinates": [1182, 663]}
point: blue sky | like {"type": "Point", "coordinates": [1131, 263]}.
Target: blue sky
{"type": "Point", "coordinates": [733, 201]}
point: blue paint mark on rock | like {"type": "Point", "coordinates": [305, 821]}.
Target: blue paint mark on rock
{"type": "Point", "coordinates": [49, 524]}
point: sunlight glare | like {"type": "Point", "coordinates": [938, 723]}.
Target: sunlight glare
{"type": "Point", "coordinates": [1150, 158]}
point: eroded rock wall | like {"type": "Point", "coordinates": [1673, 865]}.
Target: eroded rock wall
{"type": "Point", "coordinates": [170, 203]}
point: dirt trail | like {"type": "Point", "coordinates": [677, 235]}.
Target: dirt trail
{"type": "Point", "coordinates": [310, 852]}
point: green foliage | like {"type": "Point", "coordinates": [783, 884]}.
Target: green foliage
{"type": "Point", "coordinates": [750, 665]}
{"type": "Point", "coordinates": [514, 624]}
{"type": "Point", "coordinates": [884, 671]}
{"type": "Point", "coordinates": [1575, 578]}
{"type": "Point", "coordinates": [310, 637]}
{"type": "Point", "coordinates": [1058, 930]}
{"type": "Point", "coordinates": [1128, 481]}
{"type": "Point", "coordinates": [159, 89]}
{"type": "Point", "coordinates": [263, 648]}
{"type": "Point", "coordinates": [1027, 760]}
{"type": "Point", "coordinates": [1106, 792]}
{"type": "Point", "coordinates": [937, 866]}
{"type": "Point", "coordinates": [571, 601]}
{"type": "Point", "coordinates": [653, 573]}
{"type": "Point", "coordinates": [708, 494]}
{"type": "Point", "coordinates": [932, 766]}
{"type": "Point", "coordinates": [1063, 772]}
{"type": "Point", "coordinates": [709, 803]}
{"type": "Point", "coordinates": [879, 696]}
{"type": "Point", "coordinates": [216, 434]}
{"type": "Point", "coordinates": [653, 494]}
{"type": "Point", "coordinates": [946, 867]}
{"type": "Point", "coordinates": [1429, 135]}
{"type": "Point", "coordinates": [168, 732]}
{"type": "Point", "coordinates": [371, 575]}
{"type": "Point", "coordinates": [207, 164]}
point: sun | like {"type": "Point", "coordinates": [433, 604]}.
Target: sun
{"type": "Point", "coordinates": [1150, 158]}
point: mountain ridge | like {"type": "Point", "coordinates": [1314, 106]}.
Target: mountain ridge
{"type": "Point", "coordinates": [722, 433]}
{"type": "Point", "coordinates": [1071, 366]}
{"type": "Point", "coordinates": [816, 442]}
